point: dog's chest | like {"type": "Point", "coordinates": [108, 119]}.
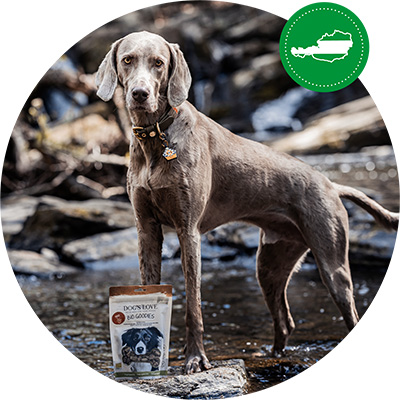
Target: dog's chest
{"type": "Point", "coordinates": [150, 174]}
{"type": "Point", "coordinates": [155, 181]}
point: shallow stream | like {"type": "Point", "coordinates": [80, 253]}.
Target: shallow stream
{"type": "Point", "coordinates": [237, 324]}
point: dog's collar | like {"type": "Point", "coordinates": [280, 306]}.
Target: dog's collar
{"type": "Point", "coordinates": [157, 131]}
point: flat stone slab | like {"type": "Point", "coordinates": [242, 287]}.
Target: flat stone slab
{"type": "Point", "coordinates": [56, 222]}
{"type": "Point", "coordinates": [104, 250]}
{"type": "Point", "coordinates": [227, 378]}
{"type": "Point", "coordinates": [32, 263]}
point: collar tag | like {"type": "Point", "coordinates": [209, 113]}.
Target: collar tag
{"type": "Point", "coordinates": [169, 154]}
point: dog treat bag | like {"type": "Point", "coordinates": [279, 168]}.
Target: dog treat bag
{"type": "Point", "coordinates": [140, 320]}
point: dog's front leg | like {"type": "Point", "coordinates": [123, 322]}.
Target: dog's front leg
{"type": "Point", "coordinates": [150, 240]}
{"type": "Point", "coordinates": [196, 358]}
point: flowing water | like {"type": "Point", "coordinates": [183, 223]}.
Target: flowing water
{"type": "Point", "coordinates": [237, 324]}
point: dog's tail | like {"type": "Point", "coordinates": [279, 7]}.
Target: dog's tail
{"type": "Point", "coordinates": [386, 218]}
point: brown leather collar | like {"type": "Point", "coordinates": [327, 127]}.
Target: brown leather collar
{"type": "Point", "coordinates": [154, 130]}
{"type": "Point", "coordinates": [157, 131]}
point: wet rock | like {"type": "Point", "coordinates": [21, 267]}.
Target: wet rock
{"type": "Point", "coordinates": [89, 133]}
{"type": "Point", "coordinates": [56, 222]}
{"type": "Point", "coordinates": [14, 212]}
{"type": "Point", "coordinates": [105, 250]}
{"type": "Point", "coordinates": [371, 247]}
{"type": "Point", "coordinates": [226, 379]}
{"type": "Point", "coordinates": [236, 234]}
{"type": "Point", "coordinates": [31, 263]}
{"type": "Point", "coordinates": [347, 127]}
{"type": "Point", "coordinates": [377, 155]}
{"type": "Point", "coordinates": [261, 70]}
{"type": "Point", "coordinates": [214, 252]}
{"type": "Point", "coordinates": [265, 25]}
{"type": "Point", "coordinates": [171, 246]}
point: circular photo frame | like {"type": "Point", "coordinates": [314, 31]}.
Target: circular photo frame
{"type": "Point", "coordinates": [71, 233]}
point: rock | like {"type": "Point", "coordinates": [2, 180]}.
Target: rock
{"type": "Point", "coordinates": [226, 379]}
{"type": "Point", "coordinates": [214, 252]}
{"type": "Point", "coordinates": [14, 212]}
{"type": "Point", "coordinates": [261, 70]}
{"type": "Point", "coordinates": [377, 155]}
{"type": "Point", "coordinates": [265, 25]}
{"type": "Point", "coordinates": [104, 250]}
{"type": "Point", "coordinates": [371, 247]}
{"type": "Point", "coordinates": [347, 127]}
{"type": "Point", "coordinates": [88, 133]}
{"type": "Point", "coordinates": [171, 246]}
{"type": "Point", "coordinates": [56, 222]}
{"type": "Point", "coordinates": [31, 263]}
{"type": "Point", "coordinates": [236, 234]}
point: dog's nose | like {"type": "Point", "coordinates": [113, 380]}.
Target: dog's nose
{"type": "Point", "coordinates": [140, 349]}
{"type": "Point", "coordinates": [140, 94]}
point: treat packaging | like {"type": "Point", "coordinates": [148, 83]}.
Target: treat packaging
{"type": "Point", "coordinates": [140, 321]}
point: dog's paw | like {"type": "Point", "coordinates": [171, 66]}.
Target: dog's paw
{"type": "Point", "coordinates": [277, 352]}
{"type": "Point", "coordinates": [196, 364]}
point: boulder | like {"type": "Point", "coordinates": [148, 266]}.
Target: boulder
{"type": "Point", "coordinates": [227, 378]}
{"type": "Point", "coordinates": [14, 212]}
{"type": "Point", "coordinates": [56, 222]}
{"type": "Point", "coordinates": [40, 265]}
{"type": "Point", "coordinates": [89, 133]}
{"type": "Point", "coordinates": [371, 247]}
{"type": "Point", "coordinates": [347, 127]}
{"type": "Point", "coordinates": [105, 250]}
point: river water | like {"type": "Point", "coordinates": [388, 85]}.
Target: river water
{"type": "Point", "coordinates": [237, 324]}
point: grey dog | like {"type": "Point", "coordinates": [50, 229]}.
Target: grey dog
{"type": "Point", "coordinates": [188, 172]}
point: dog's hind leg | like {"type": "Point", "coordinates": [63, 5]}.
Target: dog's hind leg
{"type": "Point", "coordinates": [275, 264]}
{"type": "Point", "coordinates": [336, 276]}
{"type": "Point", "coordinates": [335, 273]}
{"type": "Point", "coordinates": [330, 248]}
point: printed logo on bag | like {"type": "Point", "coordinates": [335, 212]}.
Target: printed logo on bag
{"type": "Point", "coordinates": [324, 47]}
{"type": "Point", "coordinates": [118, 318]}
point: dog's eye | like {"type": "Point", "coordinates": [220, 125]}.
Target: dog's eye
{"type": "Point", "coordinates": [127, 60]}
{"type": "Point", "coordinates": [146, 338]}
{"type": "Point", "coordinates": [159, 63]}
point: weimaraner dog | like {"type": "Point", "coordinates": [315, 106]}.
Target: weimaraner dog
{"type": "Point", "coordinates": [190, 173]}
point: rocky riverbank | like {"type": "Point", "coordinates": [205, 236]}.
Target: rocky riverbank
{"type": "Point", "coordinates": [60, 235]}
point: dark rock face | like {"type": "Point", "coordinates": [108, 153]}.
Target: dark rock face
{"type": "Point", "coordinates": [57, 221]}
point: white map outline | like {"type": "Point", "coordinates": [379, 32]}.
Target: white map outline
{"type": "Point", "coordinates": [337, 47]}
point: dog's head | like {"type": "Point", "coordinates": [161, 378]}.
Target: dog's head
{"type": "Point", "coordinates": [142, 341]}
{"type": "Point", "coordinates": [151, 71]}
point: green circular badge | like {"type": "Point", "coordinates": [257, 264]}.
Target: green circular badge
{"type": "Point", "coordinates": [324, 47]}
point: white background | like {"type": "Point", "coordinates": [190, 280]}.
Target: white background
{"type": "Point", "coordinates": [34, 34]}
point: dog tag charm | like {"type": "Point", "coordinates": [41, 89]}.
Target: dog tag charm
{"type": "Point", "coordinates": [169, 154]}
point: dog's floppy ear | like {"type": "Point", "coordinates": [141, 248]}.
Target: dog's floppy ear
{"type": "Point", "coordinates": [180, 79]}
{"type": "Point", "coordinates": [127, 337]}
{"type": "Point", "coordinates": [155, 332]}
{"type": "Point", "coordinates": [106, 76]}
